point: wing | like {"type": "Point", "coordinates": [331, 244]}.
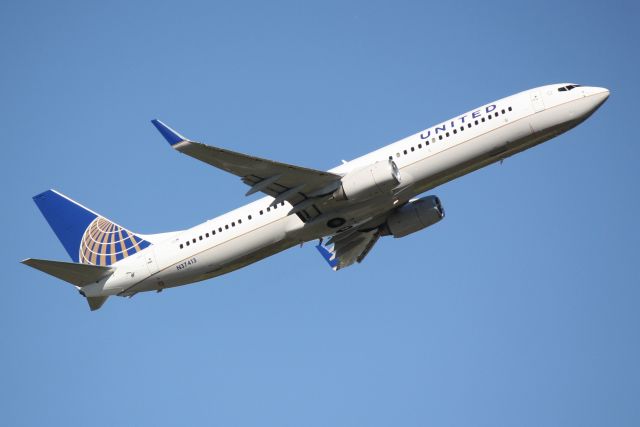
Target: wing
{"type": "Point", "coordinates": [301, 187]}
{"type": "Point", "coordinates": [346, 248]}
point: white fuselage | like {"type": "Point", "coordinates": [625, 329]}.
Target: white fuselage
{"type": "Point", "coordinates": [426, 159]}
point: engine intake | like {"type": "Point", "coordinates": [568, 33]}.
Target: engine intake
{"type": "Point", "coordinates": [414, 216]}
{"type": "Point", "coordinates": [369, 182]}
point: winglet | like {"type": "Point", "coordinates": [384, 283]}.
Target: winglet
{"type": "Point", "coordinates": [169, 134]}
{"type": "Point", "coordinates": [329, 256]}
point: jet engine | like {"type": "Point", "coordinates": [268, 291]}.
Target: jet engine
{"type": "Point", "coordinates": [414, 216]}
{"type": "Point", "coordinates": [369, 182]}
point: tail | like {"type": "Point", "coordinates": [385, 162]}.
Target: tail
{"type": "Point", "coordinates": [88, 237]}
{"type": "Point", "coordinates": [78, 275]}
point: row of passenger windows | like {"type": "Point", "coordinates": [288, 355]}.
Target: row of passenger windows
{"type": "Point", "coordinates": [455, 131]}
{"type": "Point", "coordinates": [226, 227]}
{"type": "Point", "coordinates": [433, 140]}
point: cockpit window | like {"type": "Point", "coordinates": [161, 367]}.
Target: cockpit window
{"type": "Point", "coordinates": [566, 88]}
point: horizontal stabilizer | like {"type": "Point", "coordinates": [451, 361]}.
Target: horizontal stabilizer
{"type": "Point", "coordinates": [76, 274]}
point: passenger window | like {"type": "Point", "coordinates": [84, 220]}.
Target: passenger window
{"type": "Point", "coordinates": [213, 232]}
{"type": "Point", "coordinates": [405, 152]}
{"type": "Point", "coordinates": [200, 237]}
{"type": "Point", "coordinates": [239, 221]}
{"type": "Point", "coordinates": [261, 212]}
{"type": "Point", "coordinates": [233, 224]}
{"type": "Point", "coordinates": [413, 149]}
{"type": "Point", "coordinates": [194, 240]}
{"type": "Point", "coordinates": [482, 120]}
{"type": "Point", "coordinates": [397, 154]}
{"type": "Point", "coordinates": [476, 122]}
{"type": "Point", "coordinates": [489, 116]}
{"type": "Point", "coordinates": [219, 229]}
{"type": "Point", "coordinates": [226, 227]}
{"type": "Point", "coordinates": [455, 131]}
{"type": "Point", "coordinates": [461, 128]}
{"type": "Point", "coordinates": [268, 209]}
{"type": "Point", "coordinates": [206, 235]}
{"type": "Point", "coordinates": [510, 109]}
{"type": "Point", "coordinates": [440, 137]}
{"type": "Point", "coordinates": [187, 243]}
{"type": "Point", "coordinates": [502, 111]}
{"type": "Point", "coordinates": [469, 125]}
{"type": "Point", "coordinates": [447, 134]}
{"type": "Point", "coordinates": [181, 246]}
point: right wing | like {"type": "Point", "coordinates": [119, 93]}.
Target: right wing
{"type": "Point", "coordinates": [349, 247]}
{"type": "Point", "coordinates": [301, 187]}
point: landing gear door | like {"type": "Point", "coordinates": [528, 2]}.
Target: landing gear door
{"type": "Point", "coordinates": [536, 101]}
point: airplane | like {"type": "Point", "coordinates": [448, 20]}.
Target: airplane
{"type": "Point", "coordinates": [346, 209]}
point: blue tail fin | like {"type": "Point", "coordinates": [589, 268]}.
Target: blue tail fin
{"type": "Point", "coordinates": [88, 237]}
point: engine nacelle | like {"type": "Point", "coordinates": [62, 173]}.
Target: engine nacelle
{"type": "Point", "coordinates": [414, 216]}
{"type": "Point", "coordinates": [369, 182]}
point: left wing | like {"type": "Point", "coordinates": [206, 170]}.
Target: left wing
{"type": "Point", "coordinates": [349, 247]}
{"type": "Point", "coordinates": [301, 187]}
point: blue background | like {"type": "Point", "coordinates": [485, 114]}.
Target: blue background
{"type": "Point", "coordinates": [520, 308]}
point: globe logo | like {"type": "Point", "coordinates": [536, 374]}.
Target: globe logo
{"type": "Point", "coordinates": [104, 243]}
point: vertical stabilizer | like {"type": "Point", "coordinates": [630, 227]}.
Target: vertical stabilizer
{"type": "Point", "coordinates": [88, 237]}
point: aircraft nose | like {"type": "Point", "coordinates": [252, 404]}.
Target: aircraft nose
{"type": "Point", "coordinates": [599, 95]}
{"type": "Point", "coordinates": [602, 91]}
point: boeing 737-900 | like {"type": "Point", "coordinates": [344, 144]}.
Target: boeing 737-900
{"type": "Point", "coordinates": [346, 209]}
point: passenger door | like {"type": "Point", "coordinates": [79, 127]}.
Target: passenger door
{"type": "Point", "coordinates": [536, 101]}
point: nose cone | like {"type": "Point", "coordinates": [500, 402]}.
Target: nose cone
{"type": "Point", "coordinates": [599, 95]}
{"type": "Point", "coordinates": [587, 99]}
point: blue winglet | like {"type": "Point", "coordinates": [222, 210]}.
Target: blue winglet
{"type": "Point", "coordinates": [169, 134]}
{"type": "Point", "coordinates": [329, 256]}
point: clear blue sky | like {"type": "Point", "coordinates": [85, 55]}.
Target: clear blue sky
{"type": "Point", "coordinates": [521, 308]}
